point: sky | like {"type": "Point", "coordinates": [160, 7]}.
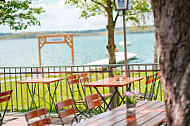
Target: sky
{"type": "Point", "coordinates": [61, 17]}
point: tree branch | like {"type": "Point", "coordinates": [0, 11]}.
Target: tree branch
{"type": "Point", "coordinates": [99, 4]}
{"type": "Point", "coordinates": [116, 18]}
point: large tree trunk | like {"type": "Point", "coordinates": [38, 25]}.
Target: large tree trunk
{"type": "Point", "coordinates": [111, 46]}
{"type": "Point", "coordinates": [110, 27]}
{"type": "Point", "coordinates": [156, 55]}
{"type": "Point", "coordinates": [155, 52]}
{"type": "Point", "coordinates": [172, 19]}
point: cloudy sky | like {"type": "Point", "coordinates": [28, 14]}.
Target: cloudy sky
{"type": "Point", "coordinates": [61, 17]}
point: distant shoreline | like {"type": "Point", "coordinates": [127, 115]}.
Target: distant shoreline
{"type": "Point", "coordinates": [26, 35]}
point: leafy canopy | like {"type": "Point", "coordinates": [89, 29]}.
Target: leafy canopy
{"type": "Point", "coordinates": [97, 7]}
{"type": "Point", "coordinates": [18, 15]}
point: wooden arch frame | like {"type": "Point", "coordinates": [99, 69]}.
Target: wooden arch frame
{"type": "Point", "coordinates": [55, 39]}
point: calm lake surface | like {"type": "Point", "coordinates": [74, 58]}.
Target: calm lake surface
{"type": "Point", "coordinates": [24, 52]}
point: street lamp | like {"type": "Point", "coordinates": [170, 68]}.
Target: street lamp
{"type": "Point", "coordinates": [124, 5]}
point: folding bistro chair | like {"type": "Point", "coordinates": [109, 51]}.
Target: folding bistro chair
{"type": "Point", "coordinates": [84, 79]}
{"type": "Point", "coordinates": [64, 113]}
{"type": "Point", "coordinates": [42, 112]}
{"type": "Point", "coordinates": [157, 85]}
{"type": "Point", "coordinates": [148, 90]}
{"type": "Point", "coordinates": [93, 102]}
{"type": "Point", "coordinates": [4, 97]}
{"type": "Point", "coordinates": [76, 93]}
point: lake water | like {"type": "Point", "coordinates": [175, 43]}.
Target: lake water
{"type": "Point", "coordinates": [24, 52]}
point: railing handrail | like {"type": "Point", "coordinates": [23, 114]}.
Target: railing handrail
{"type": "Point", "coordinates": [81, 65]}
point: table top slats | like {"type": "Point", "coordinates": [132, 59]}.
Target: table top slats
{"type": "Point", "coordinates": [122, 115]}
{"type": "Point", "coordinates": [147, 113]}
{"type": "Point", "coordinates": [138, 115]}
{"type": "Point", "coordinates": [110, 82]}
{"type": "Point", "coordinates": [142, 112]}
{"type": "Point", "coordinates": [147, 117]}
{"type": "Point", "coordinates": [97, 119]}
{"type": "Point", "coordinates": [40, 80]}
{"type": "Point", "coordinates": [156, 120]}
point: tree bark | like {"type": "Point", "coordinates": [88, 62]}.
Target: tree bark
{"type": "Point", "coordinates": [172, 19]}
{"type": "Point", "coordinates": [155, 54]}
{"type": "Point", "coordinates": [110, 27]}
{"type": "Point", "coordinates": [111, 47]}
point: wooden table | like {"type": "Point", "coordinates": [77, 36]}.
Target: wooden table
{"type": "Point", "coordinates": [148, 113]}
{"type": "Point", "coordinates": [110, 82]}
{"type": "Point", "coordinates": [47, 81]}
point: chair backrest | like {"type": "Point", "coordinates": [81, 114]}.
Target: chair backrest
{"type": "Point", "coordinates": [93, 101]}
{"type": "Point", "coordinates": [82, 75]}
{"type": "Point", "coordinates": [5, 97]}
{"type": "Point", "coordinates": [74, 87]}
{"type": "Point", "coordinates": [157, 76]}
{"type": "Point", "coordinates": [72, 79]}
{"type": "Point", "coordinates": [150, 79]}
{"type": "Point", "coordinates": [38, 113]}
{"type": "Point", "coordinates": [67, 112]}
{"type": "Point", "coordinates": [83, 80]}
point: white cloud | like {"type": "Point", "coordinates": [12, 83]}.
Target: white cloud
{"type": "Point", "coordinates": [61, 17]}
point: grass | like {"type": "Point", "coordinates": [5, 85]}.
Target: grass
{"type": "Point", "coordinates": [20, 101]}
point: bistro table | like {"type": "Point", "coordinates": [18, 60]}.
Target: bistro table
{"type": "Point", "coordinates": [148, 113]}
{"type": "Point", "coordinates": [47, 81]}
{"type": "Point", "coordinates": [110, 82]}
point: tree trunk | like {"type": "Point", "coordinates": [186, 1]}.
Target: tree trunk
{"type": "Point", "coordinates": [110, 27]}
{"type": "Point", "coordinates": [172, 19]}
{"type": "Point", "coordinates": [111, 46]}
{"type": "Point", "coordinates": [155, 54]}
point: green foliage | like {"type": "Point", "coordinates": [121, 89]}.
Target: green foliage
{"type": "Point", "coordinates": [18, 15]}
{"type": "Point", "coordinates": [97, 7]}
{"type": "Point", "coordinates": [131, 97]}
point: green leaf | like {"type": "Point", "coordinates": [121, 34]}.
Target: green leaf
{"type": "Point", "coordinates": [12, 14]}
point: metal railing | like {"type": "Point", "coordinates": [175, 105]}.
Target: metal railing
{"type": "Point", "coordinates": [20, 101]}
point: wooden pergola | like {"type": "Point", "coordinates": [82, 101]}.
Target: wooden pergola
{"type": "Point", "coordinates": [55, 39]}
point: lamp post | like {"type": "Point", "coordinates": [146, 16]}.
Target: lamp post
{"type": "Point", "coordinates": [124, 5]}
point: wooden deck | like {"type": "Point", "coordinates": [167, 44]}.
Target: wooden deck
{"type": "Point", "coordinates": [19, 120]}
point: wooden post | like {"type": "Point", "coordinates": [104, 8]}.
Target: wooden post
{"type": "Point", "coordinates": [39, 51]}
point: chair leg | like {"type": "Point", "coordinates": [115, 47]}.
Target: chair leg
{"type": "Point", "coordinates": [62, 122]}
{"type": "Point", "coordinates": [89, 113]}
{"type": "Point", "coordinates": [100, 109]}
{"type": "Point", "coordinates": [1, 121]}
{"type": "Point", "coordinates": [145, 92]}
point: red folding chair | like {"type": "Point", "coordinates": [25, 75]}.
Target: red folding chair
{"type": "Point", "coordinates": [67, 112]}
{"type": "Point", "coordinates": [38, 113]}
{"type": "Point", "coordinates": [93, 102]}
{"type": "Point", "coordinates": [5, 97]}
